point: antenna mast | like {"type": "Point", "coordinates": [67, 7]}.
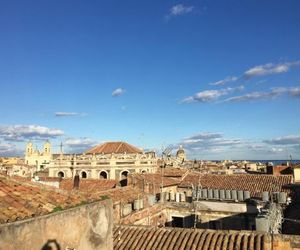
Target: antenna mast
{"type": "Point", "coordinates": [61, 147]}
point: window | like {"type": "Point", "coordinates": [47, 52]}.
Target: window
{"type": "Point", "coordinates": [83, 175]}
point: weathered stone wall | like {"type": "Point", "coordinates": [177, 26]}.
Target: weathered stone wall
{"type": "Point", "coordinates": [214, 214]}
{"type": "Point", "coordinates": [151, 216]}
{"type": "Point", "coordinates": [84, 227]}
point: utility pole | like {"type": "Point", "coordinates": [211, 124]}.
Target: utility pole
{"type": "Point", "coordinates": [195, 204]}
{"type": "Point", "coordinates": [61, 148]}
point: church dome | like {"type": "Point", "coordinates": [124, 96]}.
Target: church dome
{"type": "Point", "coordinates": [180, 151]}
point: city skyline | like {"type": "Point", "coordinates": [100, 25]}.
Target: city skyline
{"type": "Point", "coordinates": [219, 78]}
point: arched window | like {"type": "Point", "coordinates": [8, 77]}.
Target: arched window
{"type": "Point", "coordinates": [83, 175]}
{"type": "Point", "coordinates": [103, 175]}
{"type": "Point", "coordinates": [61, 174]}
{"type": "Point", "coordinates": [123, 180]}
{"type": "Point", "coordinates": [124, 174]}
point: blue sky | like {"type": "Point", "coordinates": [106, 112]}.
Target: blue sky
{"type": "Point", "coordinates": [221, 78]}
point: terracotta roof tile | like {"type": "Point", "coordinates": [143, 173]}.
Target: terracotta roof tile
{"type": "Point", "coordinates": [141, 237]}
{"type": "Point", "coordinates": [88, 184]}
{"type": "Point", "coordinates": [114, 147]}
{"type": "Point", "coordinates": [124, 194]}
{"type": "Point", "coordinates": [256, 184]}
{"type": "Point", "coordinates": [157, 179]}
{"type": "Point", "coordinates": [173, 172]}
{"type": "Point", "coordinates": [20, 200]}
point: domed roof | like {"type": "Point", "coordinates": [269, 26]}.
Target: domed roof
{"type": "Point", "coordinates": [180, 150]}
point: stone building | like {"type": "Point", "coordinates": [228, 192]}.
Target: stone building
{"type": "Point", "coordinates": [37, 217]}
{"type": "Point", "coordinates": [297, 173]}
{"type": "Point", "coordinates": [36, 158]}
{"type": "Point", "coordinates": [111, 160]}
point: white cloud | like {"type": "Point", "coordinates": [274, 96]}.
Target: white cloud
{"type": "Point", "coordinates": [205, 136]}
{"type": "Point", "coordinates": [272, 94]}
{"type": "Point", "coordinates": [212, 145]}
{"type": "Point", "coordinates": [224, 81]}
{"type": "Point", "coordinates": [80, 142]}
{"type": "Point", "coordinates": [208, 140]}
{"type": "Point", "coordinates": [66, 114]}
{"type": "Point", "coordinates": [118, 92]}
{"type": "Point", "coordinates": [295, 91]}
{"type": "Point", "coordinates": [269, 69]}
{"type": "Point", "coordinates": [79, 145]}
{"type": "Point", "coordinates": [277, 150]}
{"type": "Point", "coordinates": [9, 149]}
{"type": "Point", "coordinates": [26, 132]}
{"type": "Point", "coordinates": [254, 96]}
{"type": "Point", "coordinates": [285, 140]}
{"type": "Point", "coordinates": [210, 95]}
{"type": "Point", "coordinates": [265, 149]}
{"type": "Point", "coordinates": [179, 10]}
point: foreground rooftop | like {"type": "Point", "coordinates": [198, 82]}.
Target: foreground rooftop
{"type": "Point", "coordinates": [138, 237]}
{"type": "Point", "coordinates": [21, 200]}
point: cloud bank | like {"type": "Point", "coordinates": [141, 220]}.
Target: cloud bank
{"type": "Point", "coordinates": [9, 149]}
{"type": "Point", "coordinates": [214, 145]}
{"type": "Point", "coordinates": [27, 132]}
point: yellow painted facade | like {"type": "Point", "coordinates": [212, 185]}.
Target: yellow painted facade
{"type": "Point", "coordinates": [297, 174]}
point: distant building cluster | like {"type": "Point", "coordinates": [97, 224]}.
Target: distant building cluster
{"type": "Point", "coordinates": [116, 196]}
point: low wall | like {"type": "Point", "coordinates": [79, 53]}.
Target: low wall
{"type": "Point", "coordinates": [84, 227]}
{"type": "Point", "coordinates": [48, 183]}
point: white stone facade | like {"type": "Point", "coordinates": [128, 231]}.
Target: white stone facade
{"type": "Point", "coordinates": [102, 166]}
{"type": "Point", "coordinates": [34, 157]}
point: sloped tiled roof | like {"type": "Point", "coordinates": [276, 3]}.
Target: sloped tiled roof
{"type": "Point", "coordinates": [88, 184]}
{"type": "Point", "coordinates": [114, 147]}
{"type": "Point", "coordinates": [21, 200]}
{"type": "Point", "coordinates": [123, 195]}
{"type": "Point", "coordinates": [119, 194]}
{"type": "Point", "coordinates": [173, 172]}
{"type": "Point", "coordinates": [256, 184]}
{"type": "Point", "coordinates": [157, 179]}
{"type": "Point", "coordinates": [137, 237]}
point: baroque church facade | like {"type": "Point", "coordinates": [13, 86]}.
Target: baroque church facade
{"type": "Point", "coordinates": [37, 158]}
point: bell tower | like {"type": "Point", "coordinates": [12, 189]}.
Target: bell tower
{"type": "Point", "coordinates": [47, 148]}
{"type": "Point", "coordinates": [29, 149]}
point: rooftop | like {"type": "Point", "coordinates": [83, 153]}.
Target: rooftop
{"type": "Point", "coordinates": [20, 200]}
{"type": "Point", "coordinates": [137, 237]}
{"type": "Point", "coordinates": [123, 195]}
{"type": "Point", "coordinates": [156, 179]}
{"type": "Point", "coordinates": [173, 172]}
{"type": "Point", "coordinates": [256, 184]}
{"type": "Point", "coordinates": [88, 184]}
{"type": "Point", "coordinates": [114, 147]}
